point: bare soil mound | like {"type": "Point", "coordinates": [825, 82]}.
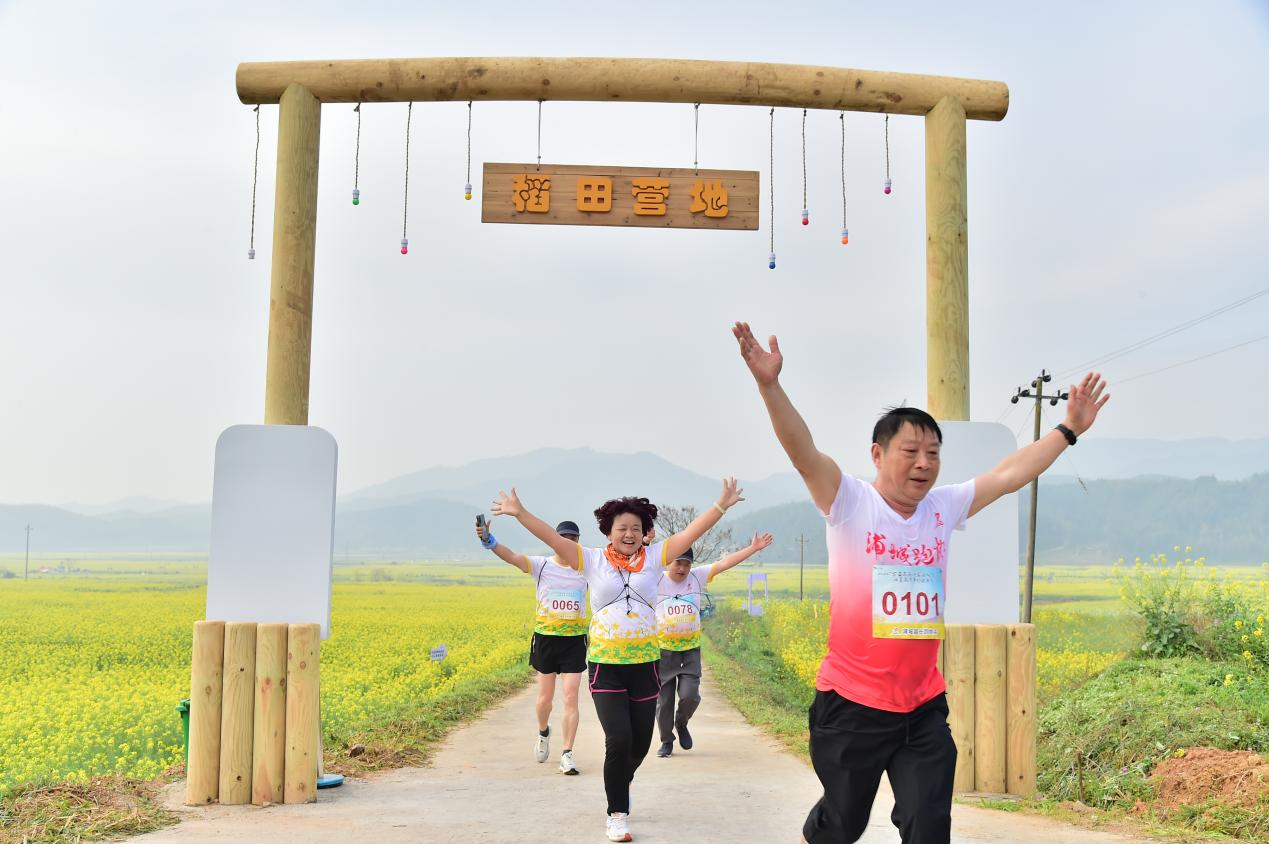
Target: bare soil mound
{"type": "Point", "coordinates": [1230, 777]}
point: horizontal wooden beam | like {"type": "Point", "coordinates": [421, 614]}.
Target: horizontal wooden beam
{"type": "Point", "coordinates": [618, 80]}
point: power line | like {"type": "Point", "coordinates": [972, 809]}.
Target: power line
{"type": "Point", "coordinates": [1193, 360]}
{"type": "Point", "coordinates": [1140, 344]}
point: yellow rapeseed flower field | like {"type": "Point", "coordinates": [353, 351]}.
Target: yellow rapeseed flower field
{"type": "Point", "coordinates": [92, 667]}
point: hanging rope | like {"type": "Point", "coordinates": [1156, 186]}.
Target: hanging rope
{"type": "Point", "coordinates": [806, 220]}
{"type": "Point", "coordinates": [696, 144]}
{"type": "Point", "coordinates": [357, 159]}
{"type": "Point", "coordinates": [467, 187]}
{"type": "Point", "coordinates": [845, 231]}
{"type": "Point", "coordinates": [886, 190]}
{"type": "Point", "coordinates": [405, 211]}
{"type": "Point", "coordinates": [539, 134]}
{"type": "Point", "coordinates": [255, 179]}
{"type": "Point", "coordinates": [771, 259]}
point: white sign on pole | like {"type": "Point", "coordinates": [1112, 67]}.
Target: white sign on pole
{"type": "Point", "coordinates": [273, 525]}
{"type": "Point", "coordinates": [982, 570]}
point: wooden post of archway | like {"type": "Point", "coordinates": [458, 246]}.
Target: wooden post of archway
{"type": "Point", "coordinates": [945, 103]}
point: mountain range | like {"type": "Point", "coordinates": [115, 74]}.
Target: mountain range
{"type": "Point", "coordinates": [430, 512]}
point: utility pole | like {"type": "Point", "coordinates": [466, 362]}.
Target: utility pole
{"type": "Point", "coordinates": [801, 540]}
{"type": "Point", "coordinates": [26, 569]}
{"type": "Point", "coordinates": [1038, 386]}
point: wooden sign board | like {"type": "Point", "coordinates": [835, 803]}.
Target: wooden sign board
{"type": "Point", "coordinates": [648, 197]}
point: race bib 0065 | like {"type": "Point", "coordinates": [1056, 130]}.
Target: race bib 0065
{"type": "Point", "coordinates": [564, 604]}
{"type": "Point", "coordinates": [907, 602]}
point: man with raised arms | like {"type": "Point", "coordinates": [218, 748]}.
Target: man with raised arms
{"type": "Point", "coordinates": [880, 702]}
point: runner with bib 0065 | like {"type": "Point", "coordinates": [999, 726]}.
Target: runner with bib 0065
{"type": "Point", "coordinates": [879, 703]}
{"type": "Point", "coordinates": [623, 653]}
{"type": "Point", "coordinates": [558, 645]}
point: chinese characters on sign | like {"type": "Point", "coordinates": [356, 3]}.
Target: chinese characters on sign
{"type": "Point", "coordinates": [532, 193]}
{"type": "Point", "coordinates": [710, 197]}
{"type": "Point", "coordinates": [621, 196]}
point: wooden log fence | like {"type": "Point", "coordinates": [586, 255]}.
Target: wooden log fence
{"type": "Point", "coordinates": [990, 674]}
{"type": "Point", "coordinates": [254, 732]}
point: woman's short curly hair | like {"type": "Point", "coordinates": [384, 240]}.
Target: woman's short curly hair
{"type": "Point", "coordinates": [608, 512]}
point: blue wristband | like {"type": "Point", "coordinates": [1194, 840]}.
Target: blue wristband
{"type": "Point", "coordinates": [489, 543]}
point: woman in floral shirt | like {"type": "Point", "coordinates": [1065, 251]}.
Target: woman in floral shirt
{"type": "Point", "coordinates": [624, 650]}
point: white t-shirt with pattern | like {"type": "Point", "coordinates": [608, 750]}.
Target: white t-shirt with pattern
{"type": "Point", "coordinates": [623, 622]}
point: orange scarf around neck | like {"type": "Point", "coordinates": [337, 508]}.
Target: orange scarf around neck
{"type": "Point", "coordinates": [632, 563]}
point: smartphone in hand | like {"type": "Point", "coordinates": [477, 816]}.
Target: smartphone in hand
{"type": "Point", "coordinates": [482, 526]}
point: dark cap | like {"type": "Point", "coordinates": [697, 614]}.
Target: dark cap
{"type": "Point", "coordinates": [568, 529]}
{"type": "Point", "coordinates": [686, 555]}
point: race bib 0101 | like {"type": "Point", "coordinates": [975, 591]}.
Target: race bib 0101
{"type": "Point", "coordinates": [907, 602]}
{"type": "Point", "coordinates": [563, 604]}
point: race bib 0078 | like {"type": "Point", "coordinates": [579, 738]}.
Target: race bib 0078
{"type": "Point", "coordinates": [907, 602]}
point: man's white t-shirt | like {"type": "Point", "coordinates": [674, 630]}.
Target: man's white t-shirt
{"type": "Point", "coordinates": [679, 609]}
{"type": "Point", "coordinates": [561, 598]}
{"type": "Point", "coordinates": [887, 592]}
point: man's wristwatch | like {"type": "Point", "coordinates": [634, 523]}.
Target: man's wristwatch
{"type": "Point", "coordinates": [1068, 433]}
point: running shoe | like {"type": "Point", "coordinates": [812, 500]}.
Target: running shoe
{"type": "Point", "coordinates": [544, 745]}
{"type": "Point", "coordinates": [685, 738]}
{"type": "Point", "coordinates": [566, 764]}
{"type": "Point", "coordinates": [667, 747]}
{"type": "Point", "coordinates": [619, 827]}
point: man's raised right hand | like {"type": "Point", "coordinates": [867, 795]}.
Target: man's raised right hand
{"type": "Point", "coordinates": [764, 364]}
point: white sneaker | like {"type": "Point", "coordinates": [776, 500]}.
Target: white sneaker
{"type": "Point", "coordinates": [544, 746]}
{"type": "Point", "coordinates": [619, 827]}
{"type": "Point", "coordinates": [566, 764]}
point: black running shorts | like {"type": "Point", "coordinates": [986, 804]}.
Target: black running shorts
{"type": "Point", "coordinates": [557, 654]}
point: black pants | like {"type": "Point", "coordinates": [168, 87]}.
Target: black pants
{"type": "Point", "coordinates": [852, 744]}
{"type": "Point", "coordinates": [625, 699]}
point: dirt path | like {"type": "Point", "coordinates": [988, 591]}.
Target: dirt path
{"type": "Point", "coordinates": [484, 786]}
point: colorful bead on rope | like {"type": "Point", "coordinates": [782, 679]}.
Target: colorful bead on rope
{"type": "Point", "coordinates": [771, 261]}
{"type": "Point", "coordinates": [806, 219]}
{"type": "Point", "coordinates": [886, 189]}
{"type": "Point", "coordinates": [845, 236]}
{"type": "Point", "coordinates": [405, 246]}
{"type": "Point", "coordinates": [467, 191]}
{"type": "Point", "coordinates": [356, 197]}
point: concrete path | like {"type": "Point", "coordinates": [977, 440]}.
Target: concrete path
{"type": "Point", "coordinates": [484, 786]}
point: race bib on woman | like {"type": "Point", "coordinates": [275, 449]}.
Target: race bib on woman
{"type": "Point", "coordinates": [907, 602]}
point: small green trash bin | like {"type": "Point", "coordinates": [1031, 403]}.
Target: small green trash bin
{"type": "Point", "coordinates": [183, 708]}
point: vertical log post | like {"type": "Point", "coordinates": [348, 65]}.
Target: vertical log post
{"type": "Point", "coordinates": [302, 727]}
{"type": "Point", "coordinates": [946, 262]}
{"type": "Point", "coordinates": [1020, 757]}
{"type": "Point", "coordinates": [202, 781]}
{"type": "Point", "coordinates": [268, 749]}
{"type": "Point", "coordinates": [990, 707]}
{"type": "Point", "coordinates": [958, 660]}
{"type": "Point", "coordinates": [237, 712]}
{"type": "Point", "coordinates": [294, 243]}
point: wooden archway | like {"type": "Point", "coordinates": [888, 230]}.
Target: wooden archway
{"type": "Point", "coordinates": [301, 87]}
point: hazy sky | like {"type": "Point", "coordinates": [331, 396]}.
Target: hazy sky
{"type": "Point", "coordinates": [1126, 191]}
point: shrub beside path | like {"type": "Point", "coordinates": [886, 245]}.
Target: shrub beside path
{"type": "Point", "coordinates": [484, 786]}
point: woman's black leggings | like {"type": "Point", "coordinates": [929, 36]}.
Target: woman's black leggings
{"type": "Point", "coordinates": [625, 699]}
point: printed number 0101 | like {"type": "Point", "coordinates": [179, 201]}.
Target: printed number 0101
{"type": "Point", "coordinates": [921, 603]}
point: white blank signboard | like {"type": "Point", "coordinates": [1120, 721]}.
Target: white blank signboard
{"type": "Point", "coordinates": [982, 570]}
{"type": "Point", "coordinates": [273, 525]}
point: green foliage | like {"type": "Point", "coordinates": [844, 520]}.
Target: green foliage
{"type": "Point", "coordinates": [1166, 598]}
{"type": "Point", "coordinates": [1189, 609]}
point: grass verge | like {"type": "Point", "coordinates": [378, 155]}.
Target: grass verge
{"type": "Point", "coordinates": [115, 807]}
